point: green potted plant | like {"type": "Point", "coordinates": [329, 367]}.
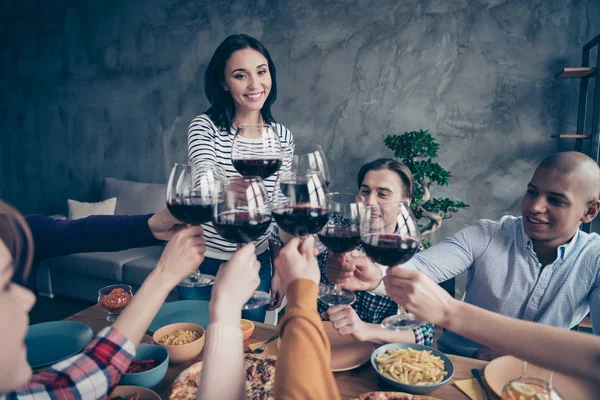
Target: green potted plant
{"type": "Point", "coordinates": [417, 149]}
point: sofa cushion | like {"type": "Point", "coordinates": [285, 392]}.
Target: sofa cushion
{"type": "Point", "coordinates": [107, 265]}
{"type": "Point", "coordinates": [78, 209]}
{"type": "Point", "coordinates": [136, 271]}
{"type": "Point", "coordinates": [135, 198]}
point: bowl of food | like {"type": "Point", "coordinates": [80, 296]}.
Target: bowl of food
{"type": "Point", "coordinates": [183, 341]}
{"type": "Point", "coordinates": [148, 368]}
{"type": "Point", "coordinates": [412, 368]}
{"type": "Point", "coordinates": [114, 299]}
{"type": "Point", "coordinates": [247, 327]}
{"type": "Point", "coordinates": [133, 393]}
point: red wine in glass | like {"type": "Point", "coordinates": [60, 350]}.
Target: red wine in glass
{"type": "Point", "coordinates": [340, 239]}
{"type": "Point", "coordinates": [389, 248]}
{"type": "Point", "coordinates": [241, 226]}
{"type": "Point", "coordinates": [193, 214]}
{"type": "Point", "coordinates": [300, 220]}
{"type": "Point", "coordinates": [241, 215]}
{"type": "Point", "coordinates": [263, 167]}
{"type": "Point", "coordinates": [190, 197]}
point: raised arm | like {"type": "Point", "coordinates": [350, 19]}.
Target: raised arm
{"type": "Point", "coordinates": [544, 345]}
{"type": "Point", "coordinates": [303, 363]}
{"type": "Point", "coordinates": [97, 370]}
{"type": "Point", "coordinates": [55, 238]}
{"type": "Point", "coordinates": [595, 306]}
{"type": "Point", "coordinates": [440, 262]}
{"type": "Point", "coordinates": [453, 255]}
{"type": "Point", "coordinates": [224, 350]}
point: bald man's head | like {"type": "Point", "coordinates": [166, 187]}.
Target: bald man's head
{"type": "Point", "coordinates": [577, 166]}
{"type": "Point", "coordinates": [563, 193]}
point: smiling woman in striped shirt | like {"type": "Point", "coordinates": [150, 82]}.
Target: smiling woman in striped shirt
{"type": "Point", "coordinates": [240, 84]}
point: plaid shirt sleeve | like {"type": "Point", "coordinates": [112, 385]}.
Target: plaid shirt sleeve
{"type": "Point", "coordinates": [373, 309]}
{"type": "Point", "coordinates": [91, 374]}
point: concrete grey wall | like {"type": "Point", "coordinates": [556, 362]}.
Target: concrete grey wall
{"type": "Point", "coordinates": [107, 88]}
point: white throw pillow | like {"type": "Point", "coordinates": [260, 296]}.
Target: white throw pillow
{"type": "Point", "coordinates": [79, 209]}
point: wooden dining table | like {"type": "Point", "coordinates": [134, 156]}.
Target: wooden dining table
{"type": "Point", "coordinates": [350, 383]}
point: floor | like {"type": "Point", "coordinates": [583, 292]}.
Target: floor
{"type": "Point", "coordinates": [55, 309]}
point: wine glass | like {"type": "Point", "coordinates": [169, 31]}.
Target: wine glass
{"type": "Point", "coordinates": [531, 386]}
{"type": "Point", "coordinates": [342, 235]}
{"type": "Point", "coordinates": [390, 236]}
{"type": "Point", "coordinates": [256, 151]}
{"type": "Point", "coordinates": [302, 209]}
{"type": "Point", "coordinates": [190, 194]}
{"type": "Point", "coordinates": [114, 299]}
{"type": "Point", "coordinates": [310, 157]}
{"type": "Point", "coordinates": [242, 214]}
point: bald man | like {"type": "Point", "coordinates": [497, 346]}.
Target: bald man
{"type": "Point", "coordinates": [539, 267]}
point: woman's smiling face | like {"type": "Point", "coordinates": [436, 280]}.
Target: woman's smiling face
{"type": "Point", "coordinates": [247, 79]}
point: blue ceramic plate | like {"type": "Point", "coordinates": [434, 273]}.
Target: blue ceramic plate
{"type": "Point", "coordinates": [195, 311]}
{"type": "Point", "coordinates": [51, 342]}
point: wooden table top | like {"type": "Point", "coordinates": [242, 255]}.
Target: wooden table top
{"type": "Point", "coordinates": [350, 383]}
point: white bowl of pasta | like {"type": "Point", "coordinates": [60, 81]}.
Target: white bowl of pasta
{"type": "Point", "coordinates": [412, 368]}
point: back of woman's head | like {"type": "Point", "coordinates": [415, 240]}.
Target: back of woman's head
{"type": "Point", "coordinates": [222, 109]}
{"type": "Point", "coordinates": [16, 236]}
{"type": "Point", "coordinates": [392, 165]}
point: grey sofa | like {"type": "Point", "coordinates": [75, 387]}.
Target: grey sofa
{"type": "Point", "coordinates": [81, 275]}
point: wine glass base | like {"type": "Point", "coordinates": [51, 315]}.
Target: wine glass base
{"type": "Point", "coordinates": [401, 322]}
{"type": "Point", "coordinates": [258, 299]}
{"type": "Point", "coordinates": [333, 298]}
{"type": "Point", "coordinates": [198, 280]}
{"type": "Point", "coordinates": [112, 317]}
{"type": "Point", "coordinates": [323, 289]}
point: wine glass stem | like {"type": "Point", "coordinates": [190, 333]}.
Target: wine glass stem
{"type": "Point", "coordinates": [401, 311]}
{"type": "Point", "coordinates": [337, 289]}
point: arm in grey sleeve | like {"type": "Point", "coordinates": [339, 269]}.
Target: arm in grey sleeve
{"type": "Point", "coordinates": [455, 254]}
{"type": "Point", "coordinates": [594, 300]}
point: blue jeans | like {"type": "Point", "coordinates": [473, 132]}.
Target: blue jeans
{"type": "Point", "coordinates": [211, 266]}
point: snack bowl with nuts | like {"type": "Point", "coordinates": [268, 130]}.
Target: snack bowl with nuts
{"type": "Point", "coordinates": [183, 341]}
{"type": "Point", "coordinates": [114, 299]}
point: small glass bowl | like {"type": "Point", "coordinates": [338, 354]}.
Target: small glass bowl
{"type": "Point", "coordinates": [114, 299]}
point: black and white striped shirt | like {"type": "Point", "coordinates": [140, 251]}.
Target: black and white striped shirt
{"type": "Point", "coordinates": [206, 142]}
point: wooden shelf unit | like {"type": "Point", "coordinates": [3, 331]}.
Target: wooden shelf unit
{"type": "Point", "coordinates": [571, 136]}
{"type": "Point", "coordinates": [574, 73]}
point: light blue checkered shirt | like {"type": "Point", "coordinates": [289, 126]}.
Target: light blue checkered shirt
{"type": "Point", "coordinates": [505, 276]}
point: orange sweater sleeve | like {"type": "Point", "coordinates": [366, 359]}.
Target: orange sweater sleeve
{"type": "Point", "coordinates": [304, 358]}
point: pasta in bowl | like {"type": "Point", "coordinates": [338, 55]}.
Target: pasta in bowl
{"type": "Point", "coordinates": [412, 368]}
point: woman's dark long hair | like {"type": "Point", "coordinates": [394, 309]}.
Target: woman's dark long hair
{"type": "Point", "coordinates": [393, 165]}
{"type": "Point", "coordinates": [222, 106]}
{"type": "Point", "coordinates": [15, 234]}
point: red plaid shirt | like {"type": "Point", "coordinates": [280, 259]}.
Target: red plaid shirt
{"type": "Point", "coordinates": [91, 374]}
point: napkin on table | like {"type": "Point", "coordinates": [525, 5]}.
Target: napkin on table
{"type": "Point", "coordinates": [256, 345]}
{"type": "Point", "coordinates": [471, 388]}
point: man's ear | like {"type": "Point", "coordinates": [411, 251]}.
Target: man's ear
{"type": "Point", "coordinates": [593, 207]}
